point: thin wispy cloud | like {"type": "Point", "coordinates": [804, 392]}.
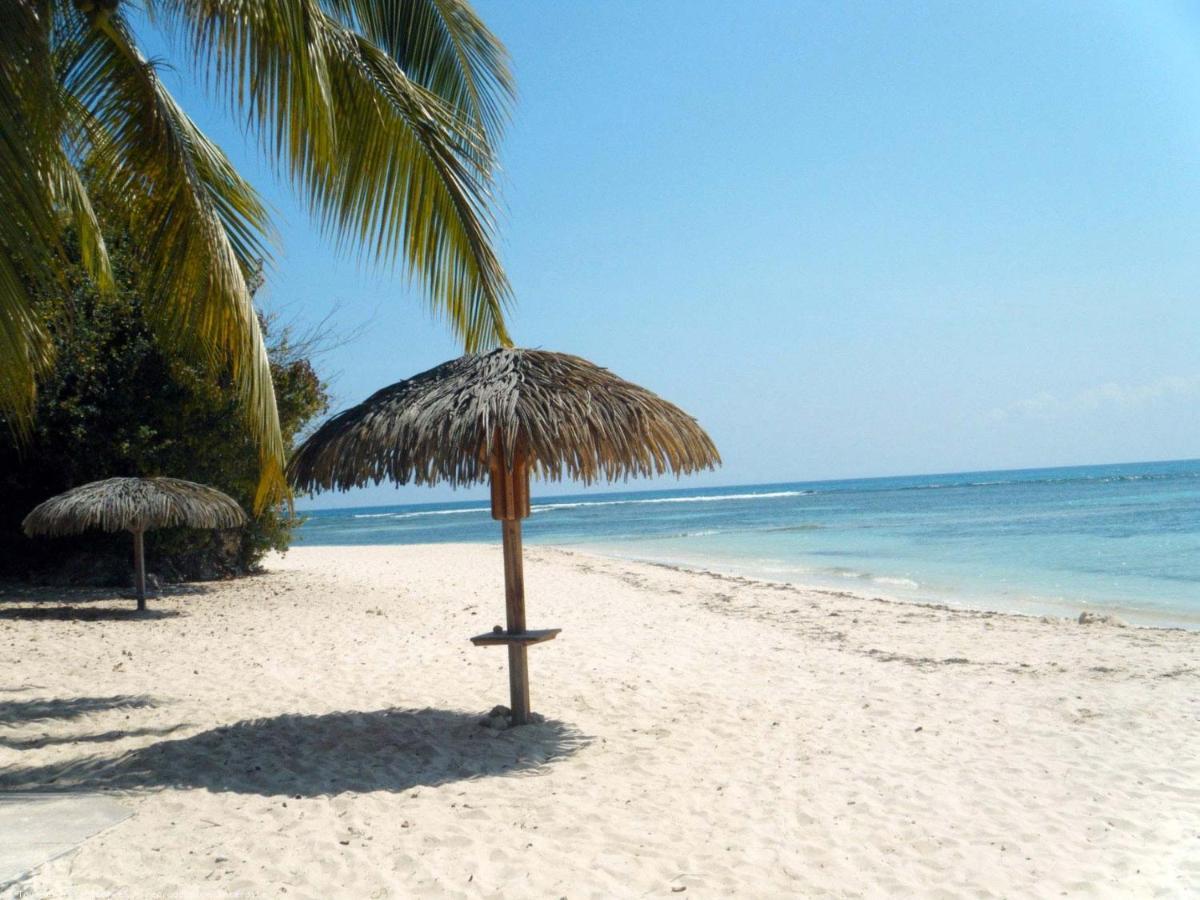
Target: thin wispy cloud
{"type": "Point", "coordinates": [1048, 406]}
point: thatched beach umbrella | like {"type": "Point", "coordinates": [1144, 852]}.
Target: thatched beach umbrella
{"type": "Point", "coordinates": [500, 416]}
{"type": "Point", "coordinates": [134, 504]}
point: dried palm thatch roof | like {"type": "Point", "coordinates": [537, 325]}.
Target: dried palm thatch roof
{"type": "Point", "coordinates": [567, 416]}
{"type": "Point", "coordinates": [134, 504]}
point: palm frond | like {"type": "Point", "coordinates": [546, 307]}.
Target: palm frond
{"type": "Point", "coordinates": [25, 351]}
{"type": "Point", "coordinates": [404, 185]}
{"type": "Point", "coordinates": [385, 113]}
{"type": "Point", "coordinates": [72, 197]}
{"type": "Point", "coordinates": [200, 225]}
{"type": "Point", "coordinates": [443, 46]}
{"type": "Point", "coordinates": [30, 235]}
{"type": "Point", "coordinates": [384, 163]}
{"type": "Point", "coordinates": [269, 63]}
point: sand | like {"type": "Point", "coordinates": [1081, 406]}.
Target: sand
{"type": "Point", "coordinates": [314, 732]}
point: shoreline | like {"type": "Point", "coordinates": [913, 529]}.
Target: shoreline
{"type": "Point", "coordinates": [1104, 539]}
{"type": "Point", "coordinates": [317, 728]}
{"type": "Point", "coordinates": [1128, 616]}
{"type": "Point", "coordinates": [1067, 610]}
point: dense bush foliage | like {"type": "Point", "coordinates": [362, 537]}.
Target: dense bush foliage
{"type": "Point", "coordinates": [117, 405]}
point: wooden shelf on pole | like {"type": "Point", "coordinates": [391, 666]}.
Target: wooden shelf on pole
{"type": "Point", "coordinates": [500, 638]}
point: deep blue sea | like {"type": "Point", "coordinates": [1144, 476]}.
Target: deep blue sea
{"type": "Point", "coordinates": [1124, 538]}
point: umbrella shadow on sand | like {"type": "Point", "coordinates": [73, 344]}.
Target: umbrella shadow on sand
{"type": "Point", "coordinates": [309, 756]}
{"type": "Point", "coordinates": [85, 614]}
{"type": "Point", "coordinates": [84, 604]}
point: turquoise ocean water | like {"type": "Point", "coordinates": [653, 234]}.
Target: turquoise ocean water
{"type": "Point", "coordinates": [1122, 538]}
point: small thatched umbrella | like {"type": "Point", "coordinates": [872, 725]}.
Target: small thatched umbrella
{"type": "Point", "coordinates": [500, 416]}
{"type": "Point", "coordinates": [134, 504]}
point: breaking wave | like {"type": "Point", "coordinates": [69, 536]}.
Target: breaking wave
{"type": "Point", "coordinates": [706, 498]}
{"type": "Point", "coordinates": [581, 504]}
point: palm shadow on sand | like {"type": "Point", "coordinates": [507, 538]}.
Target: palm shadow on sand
{"type": "Point", "coordinates": [38, 709]}
{"type": "Point", "coordinates": [34, 711]}
{"type": "Point", "coordinates": [308, 756]}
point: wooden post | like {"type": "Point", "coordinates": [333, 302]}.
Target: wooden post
{"type": "Point", "coordinates": [510, 504]}
{"type": "Point", "coordinates": [514, 605]}
{"type": "Point", "coordinates": [139, 564]}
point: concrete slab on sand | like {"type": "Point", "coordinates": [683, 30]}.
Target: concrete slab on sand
{"type": "Point", "coordinates": [36, 828]}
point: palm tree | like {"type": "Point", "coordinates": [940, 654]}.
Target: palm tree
{"type": "Point", "coordinates": [384, 114]}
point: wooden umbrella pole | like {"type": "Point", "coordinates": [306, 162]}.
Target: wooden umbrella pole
{"type": "Point", "coordinates": [510, 504]}
{"type": "Point", "coordinates": [139, 563]}
{"type": "Point", "coordinates": [514, 604]}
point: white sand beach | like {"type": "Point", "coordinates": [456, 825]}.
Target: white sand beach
{"type": "Point", "coordinates": [314, 732]}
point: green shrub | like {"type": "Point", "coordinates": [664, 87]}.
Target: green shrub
{"type": "Point", "coordinates": [116, 404]}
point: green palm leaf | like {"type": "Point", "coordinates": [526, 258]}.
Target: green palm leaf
{"type": "Point", "coordinates": [30, 227]}
{"type": "Point", "coordinates": [200, 224]}
{"type": "Point", "coordinates": [384, 113]}
{"type": "Point", "coordinates": [385, 163]}
{"type": "Point", "coordinates": [443, 46]}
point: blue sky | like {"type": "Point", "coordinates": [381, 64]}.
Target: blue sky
{"type": "Point", "coordinates": [852, 239]}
